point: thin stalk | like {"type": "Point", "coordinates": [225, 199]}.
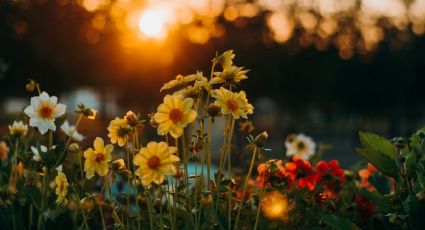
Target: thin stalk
{"type": "Point", "coordinates": [161, 221]}
{"type": "Point", "coordinates": [101, 216]}
{"type": "Point", "coordinates": [40, 217]}
{"type": "Point", "coordinates": [50, 145]}
{"type": "Point", "coordinates": [228, 152]}
{"type": "Point", "coordinates": [30, 216]}
{"type": "Point", "coordinates": [128, 179]}
{"type": "Point", "coordinates": [259, 203]}
{"type": "Point", "coordinates": [246, 185]}
{"type": "Point", "coordinates": [149, 209]}
{"type": "Point", "coordinates": [136, 141]}
{"type": "Point", "coordinates": [72, 133]}
{"type": "Point", "coordinates": [80, 156]}
{"type": "Point", "coordinates": [13, 215]}
{"type": "Point", "coordinates": [209, 154]}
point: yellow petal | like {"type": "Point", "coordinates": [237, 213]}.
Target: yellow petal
{"type": "Point", "coordinates": [98, 144]}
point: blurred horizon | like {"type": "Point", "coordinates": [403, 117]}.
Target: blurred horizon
{"type": "Point", "coordinates": [325, 68]}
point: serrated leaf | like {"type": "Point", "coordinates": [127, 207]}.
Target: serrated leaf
{"type": "Point", "coordinates": [381, 161]}
{"type": "Point", "coordinates": [339, 223]}
{"type": "Point", "coordinates": [378, 144]}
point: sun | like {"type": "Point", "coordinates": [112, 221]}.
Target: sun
{"type": "Point", "coordinates": [152, 23]}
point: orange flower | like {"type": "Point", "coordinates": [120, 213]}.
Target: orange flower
{"type": "Point", "coordinates": [302, 173]}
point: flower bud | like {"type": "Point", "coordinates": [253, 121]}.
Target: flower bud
{"type": "Point", "coordinates": [74, 147]}
{"type": "Point", "coordinates": [118, 164]}
{"type": "Point", "coordinates": [206, 199]}
{"type": "Point", "coordinates": [179, 173]}
{"type": "Point", "coordinates": [30, 87]}
{"type": "Point", "coordinates": [213, 110]}
{"type": "Point", "coordinates": [153, 123]}
{"type": "Point", "coordinates": [131, 118]}
{"type": "Point", "coordinates": [87, 204]}
{"type": "Point", "coordinates": [261, 139]}
{"type": "Point", "coordinates": [4, 151]}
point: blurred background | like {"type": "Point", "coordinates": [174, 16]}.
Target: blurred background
{"type": "Point", "coordinates": [326, 68]}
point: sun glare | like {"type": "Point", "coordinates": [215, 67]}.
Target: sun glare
{"type": "Point", "coordinates": [152, 23]}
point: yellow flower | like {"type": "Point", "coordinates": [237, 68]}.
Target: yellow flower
{"type": "Point", "coordinates": [119, 130]}
{"type": "Point", "coordinates": [193, 91]}
{"type": "Point", "coordinates": [61, 187]}
{"type": "Point", "coordinates": [97, 160]}
{"type": "Point", "coordinates": [174, 115]}
{"type": "Point", "coordinates": [18, 129]}
{"type": "Point", "coordinates": [232, 103]}
{"type": "Point", "coordinates": [226, 59]}
{"type": "Point", "coordinates": [181, 80]}
{"type": "Point", "coordinates": [155, 161]}
{"type": "Point", "coordinates": [231, 75]}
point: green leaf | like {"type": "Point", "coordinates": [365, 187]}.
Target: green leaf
{"type": "Point", "coordinates": [378, 144]}
{"type": "Point", "coordinates": [376, 199]}
{"type": "Point", "coordinates": [339, 223]}
{"type": "Point", "coordinates": [381, 161]}
{"type": "Point", "coordinates": [381, 183]}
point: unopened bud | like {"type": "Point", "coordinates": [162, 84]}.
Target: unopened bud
{"type": "Point", "coordinates": [213, 110]}
{"type": "Point", "coordinates": [74, 147]}
{"type": "Point", "coordinates": [87, 204]}
{"type": "Point", "coordinates": [131, 118]}
{"type": "Point", "coordinates": [30, 87]}
{"type": "Point", "coordinates": [118, 164]}
{"type": "Point", "coordinates": [261, 139]}
{"type": "Point", "coordinates": [207, 199]}
{"type": "Point", "coordinates": [179, 173]}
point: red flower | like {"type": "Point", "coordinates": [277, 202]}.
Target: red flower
{"type": "Point", "coordinates": [302, 173]}
{"type": "Point", "coordinates": [327, 173]}
{"type": "Point", "coordinates": [271, 170]}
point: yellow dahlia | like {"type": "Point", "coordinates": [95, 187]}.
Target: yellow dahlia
{"type": "Point", "coordinates": [155, 161]}
{"type": "Point", "coordinates": [18, 129]}
{"type": "Point", "coordinates": [97, 159]}
{"type": "Point", "coordinates": [232, 103]}
{"type": "Point", "coordinates": [119, 131]}
{"type": "Point", "coordinates": [181, 80]}
{"type": "Point", "coordinates": [231, 75]}
{"type": "Point", "coordinates": [226, 59]}
{"type": "Point", "coordinates": [61, 187]}
{"type": "Point", "coordinates": [174, 115]}
{"type": "Point", "coordinates": [43, 111]}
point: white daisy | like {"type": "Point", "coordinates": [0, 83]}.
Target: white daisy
{"type": "Point", "coordinates": [43, 111]}
{"type": "Point", "coordinates": [18, 128]}
{"type": "Point", "coordinates": [70, 131]}
{"type": "Point", "coordinates": [301, 146]}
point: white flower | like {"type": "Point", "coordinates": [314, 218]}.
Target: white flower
{"type": "Point", "coordinates": [301, 146]}
{"type": "Point", "coordinates": [36, 153]}
{"type": "Point", "coordinates": [43, 111]}
{"type": "Point", "coordinates": [70, 131]}
{"type": "Point", "coordinates": [18, 128]}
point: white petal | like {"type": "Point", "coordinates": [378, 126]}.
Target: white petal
{"type": "Point", "coordinates": [43, 148]}
{"type": "Point", "coordinates": [53, 100]}
{"type": "Point", "coordinates": [34, 150]}
{"type": "Point", "coordinates": [29, 111]}
{"type": "Point", "coordinates": [44, 96]}
{"type": "Point", "coordinates": [59, 168]}
{"type": "Point", "coordinates": [60, 110]}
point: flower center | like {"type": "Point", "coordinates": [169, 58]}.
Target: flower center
{"type": "Point", "coordinates": [154, 162]}
{"type": "Point", "coordinates": [99, 157]}
{"type": "Point", "coordinates": [301, 146]}
{"type": "Point", "coordinates": [62, 186]}
{"type": "Point", "coordinates": [45, 112]}
{"type": "Point", "coordinates": [176, 115]}
{"type": "Point", "coordinates": [232, 104]}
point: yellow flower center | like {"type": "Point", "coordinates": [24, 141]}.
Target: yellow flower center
{"type": "Point", "coordinates": [301, 145]}
{"type": "Point", "coordinates": [176, 115]}
{"type": "Point", "coordinates": [99, 157]}
{"type": "Point", "coordinates": [45, 112]}
{"type": "Point", "coordinates": [154, 162]}
{"type": "Point", "coordinates": [232, 104]}
{"type": "Point", "coordinates": [62, 185]}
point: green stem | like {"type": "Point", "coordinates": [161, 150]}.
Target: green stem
{"type": "Point", "coordinates": [259, 203]}
{"type": "Point", "coordinates": [149, 208]}
{"type": "Point", "coordinates": [136, 142]}
{"type": "Point", "coordinates": [128, 180]}
{"type": "Point", "coordinates": [40, 216]}
{"type": "Point", "coordinates": [68, 142]}
{"type": "Point", "coordinates": [245, 186]}
{"type": "Point", "coordinates": [80, 156]}
{"type": "Point", "coordinates": [101, 216]}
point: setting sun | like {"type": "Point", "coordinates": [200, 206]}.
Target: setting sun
{"type": "Point", "coordinates": [152, 23]}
